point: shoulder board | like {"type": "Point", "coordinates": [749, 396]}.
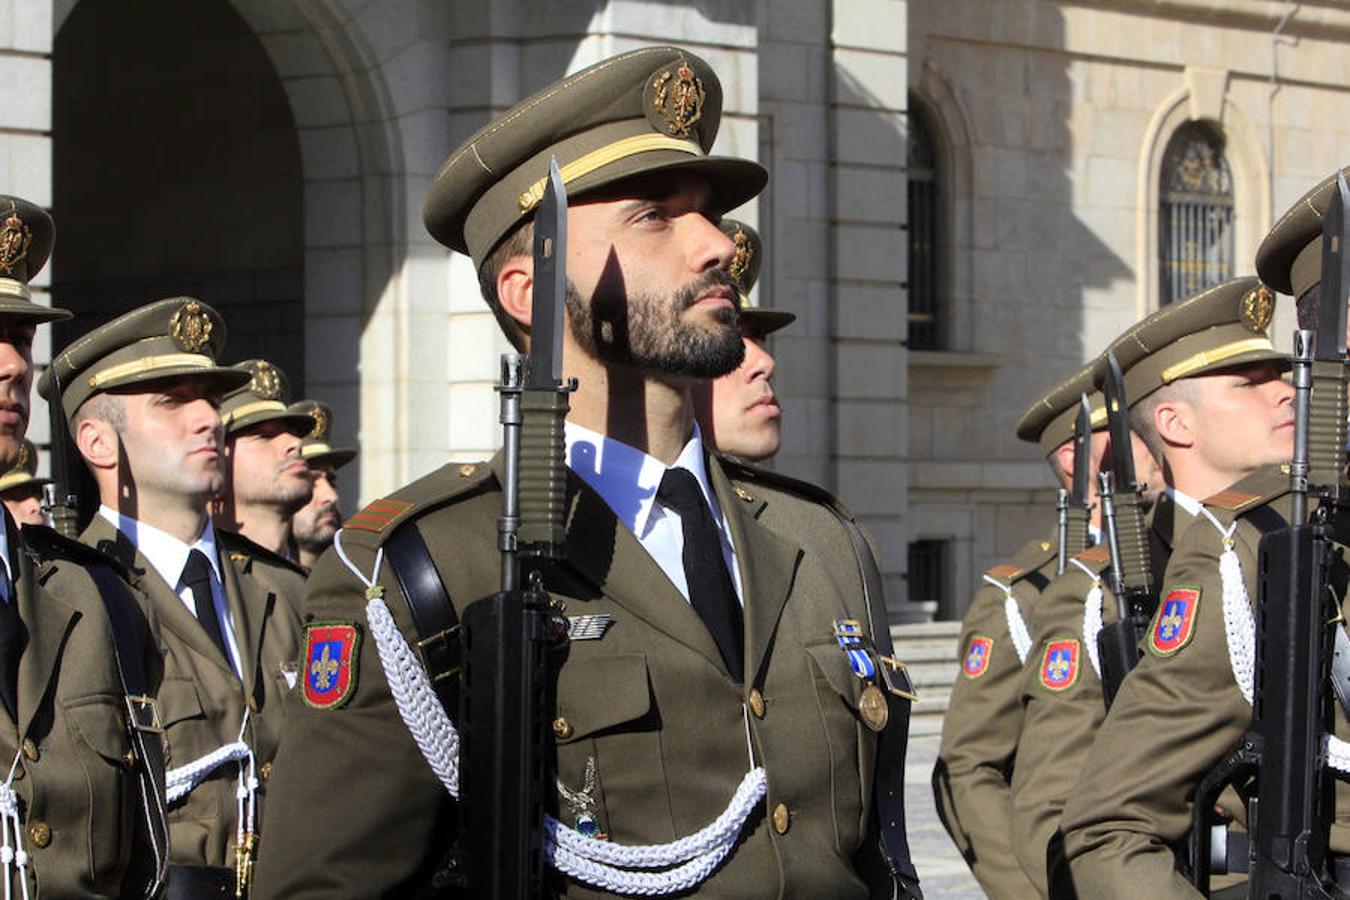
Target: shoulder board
{"type": "Point", "coordinates": [241, 548]}
{"type": "Point", "coordinates": [1260, 487]}
{"type": "Point", "coordinates": [1006, 573]}
{"type": "Point", "coordinates": [1034, 554]}
{"type": "Point", "coordinates": [1095, 555]}
{"type": "Point", "coordinates": [739, 470]}
{"type": "Point", "coordinates": [450, 481]}
{"type": "Point", "coordinates": [48, 544]}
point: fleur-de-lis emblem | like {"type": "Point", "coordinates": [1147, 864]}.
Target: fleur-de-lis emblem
{"type": "Point", "coordinates": [15, 237]}
{"type": "Point", "coordinates": [266, 381]}
{"type": "Point", "coordinates": [1059, 668]}
{"type": "Point", "coordinates": [1171, 624]}
{"type": "Point", "coordinates": [190, 327]}
{"type": "Point", "coordinates": [324, 670]}
{"type": "Point", "coordinates": [679, 101]}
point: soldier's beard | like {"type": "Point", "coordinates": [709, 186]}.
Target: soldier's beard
{"type": "Point", "coordinates": [646, 331]}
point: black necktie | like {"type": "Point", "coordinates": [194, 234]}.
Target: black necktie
{"type": "Point", "coordinates": [197, 576]}
{"type": "Point", "coordinates": [711, 591]}
{"type": "Point", "coordinates": [11, 645]}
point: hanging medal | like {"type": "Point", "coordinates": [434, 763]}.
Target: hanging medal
{"type": "Point", "coordinates": [872, 707]}
{"type": "Point", "coordinates": [581, 804]}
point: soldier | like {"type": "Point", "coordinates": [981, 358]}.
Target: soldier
{"type": "Point", "coordinates": [318, 520]}
{"type": "Point", "coordinates": [81, 809]}
{"type": "Point", "coordinates": [705, 671]}
{"type": "Point", "coordinates": [142, 395]}
{"type": "Point", "coordinates": [738, 413]}
{"type": "Point", "coordinates": [21, 488]}
{"type": "Point", "coordinates": [1188, 402]}
{"type": "Point", "coordinates": [980, 730]}
{"type": "Point", "coordinates": [1189, 701]}
{"type": "Point", "coordinates": [269, 479]}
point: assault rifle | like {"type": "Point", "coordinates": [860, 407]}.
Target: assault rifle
{"type": "Point", "coordinates": [511, 637]}
{"type": "Point", "coordinates": [1131, 576]}
{"type": "Point", "coordinates": [58, 497]}
{"type": "Point", "coordinates": [1073, 505]}
{"type": "Point", "coordinates": [1289, 818]}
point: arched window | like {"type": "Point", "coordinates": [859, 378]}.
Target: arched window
{"type": "Point", "coordinates": [924, 314]}
{"type": "Point", "coordinates": [1196, 219]}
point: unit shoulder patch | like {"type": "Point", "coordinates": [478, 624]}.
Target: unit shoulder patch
{"type": "Point", "coordinates": [976, 660]}
{"type": "Point", "coordinates": [1059, 665]}
{"type": "Point", "coordinates": [1174, 625]}
{"type": "Point", "coordinates": [329, 663]}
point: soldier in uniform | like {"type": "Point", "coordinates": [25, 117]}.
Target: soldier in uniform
{"type": "Point", "coordinates": [314, 524]}
{"type": "Point", "coordinates": [268, 478]}
{"type": "Point", "coordinates": [980, 729]}
{"type": "Point", "coordinates": [21, 488]}
{"type": "Point", "coordinates": [1188, 402]}
{"type": "Point", "coordinates": [738, 413]}
{"type": "Point", "coordinates": [1189, 700]}
{"type": "Point", "coordinates": [81, 809]}
{"type": "Point", "coordinates": [142, 398]}
{"type": "Point", "coordinates": [704, 672]}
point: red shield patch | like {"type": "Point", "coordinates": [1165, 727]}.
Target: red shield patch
{"type": "Point", "coordinates": [329, 663]}
{"type": "Point", "coordinates": [1059, 666]}
{"type": "Point", "coordinates": [1175, 624]}
{"type": "Point", "coordinates": [977, 656]}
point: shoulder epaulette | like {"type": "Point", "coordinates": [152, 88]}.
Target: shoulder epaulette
{"type": "Point", "coordinates": [1232, 500]}
{"type": "Point", "coordinates": [1007, 572]}
{"type": "Point", "coordinates": [1261, 486]}
{"type": "Point", "coordinates": [1094, 555]}
{"type": "Point", "coordinates": [441, 486]}
{"type": "Point", "coordinates": [48, 544]}
{"type": "Point", "coordinates": [243, 549]}
{"type": "Point", "coordinates": [739, 469]}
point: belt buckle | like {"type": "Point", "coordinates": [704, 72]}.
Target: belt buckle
{"type": "Point", "coordinates": [447, 642]}
{"type": "Point", "coordinates": [137, 704]}
{"type": "Point", "coordinates": [895, 674]}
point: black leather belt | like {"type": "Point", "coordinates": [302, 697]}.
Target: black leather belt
{"type": "Point", "coordinates": [199, 882]}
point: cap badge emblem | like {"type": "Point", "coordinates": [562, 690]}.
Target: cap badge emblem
{"type": "Point", "coordinates": [190, 327]}
{"type": "Point", "coordinates": [740, 263]}
{"type": "Point", "coordinates": [14, 240]}
{"type": "Point", "coordinates": [266, 381]}
{"type": "Point", "coordinates": [678, 96]}
{"type": "Point", "coordinates": [321, 423]}
{"type": "Point", "coordinates": [1257, 309]}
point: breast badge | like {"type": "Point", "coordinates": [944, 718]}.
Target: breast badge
{"type": "Point", "coordinates": [1175, 624]}
{"type": "Point", "coordinates": [976, 661]}
{"type": "Point", "coordinates": [1059, 668]}
{"type": "Point", "coordinates": [329, 663]}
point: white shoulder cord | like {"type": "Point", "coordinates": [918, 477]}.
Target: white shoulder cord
{"type": "Point", "coordinates": [685, 862]}
{"type": "Point", "coordinates": [1092, 616]}
{"type": "Point", "coordinates": [1238, 625]}
{"type": "Point", "coordinates": [246, 792]}
{"type": "Point", "coordinates": [12, 855]}
{"type": "Point", "coordinates": [1017, 627]}
{"type": "Point", "coordinates": [180, 782]}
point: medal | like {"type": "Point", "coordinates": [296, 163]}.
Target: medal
{"type": "Point", "coordinates": [872, 708]}
{"type": "Point", "coordinates": [849, 634]}
{"type": "Point", "coordinates": [582, 804]}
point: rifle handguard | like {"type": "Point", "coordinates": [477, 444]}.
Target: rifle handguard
{"type": "Point", "coordinates": [1326, 428]}
{"type": "Point", "coordinates": [543, 473]}
{"type": "Point", "coordinates": [1076, 538]}
{"type": "Point", "coordinates": [1132, 541]}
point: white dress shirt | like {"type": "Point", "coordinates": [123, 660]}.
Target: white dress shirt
{"type": "Point", "coordinates": [627, 479]}
{"type": "Point", "coordinates": [169, 556]}
{"type": "Point", "coordinates": [1184, 500]}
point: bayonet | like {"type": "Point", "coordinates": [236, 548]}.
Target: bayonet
{"type": "Point", "coordinates": [550, 285]}
{"type": "Point", "coordinates": [1073, 534]}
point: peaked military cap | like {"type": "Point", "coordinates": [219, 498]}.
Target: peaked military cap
{"type": "Point", "coordinates": [1049, 421]}
{"type": "Point", "coordinates": [756, 321]}
{"type": "Point", "coordinates": [1290, 257]}
{"type": "Point", "coordinates": [654, 109]}
{"type": "Point", "coordinates": [261, 398]}
{"type": "Point", "coordinates": [24, 472]}
{"type": "Point", "coordinates": [316, 448]}
{"type": "Point", "coordinates": [179, 337]}
{"type": "Point", "coordinates": [1218, 328]}
{"type": "Point", "coordinates": [26, 238]}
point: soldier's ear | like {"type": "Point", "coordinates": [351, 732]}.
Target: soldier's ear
{"type": "Point", "coordinates": [97, 442]}
{"type": "Point", "coordinates": [515, 288]}
{"type": "Point", "coordinates": [1174, 423]}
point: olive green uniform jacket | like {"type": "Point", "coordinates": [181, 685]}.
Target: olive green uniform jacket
{"type": "Point", "coordinates": [80, 803]}
{"type": "Point", "coordinates": [650, 701]}
{"type": "Point", "coordinates": [1175, 717]}
{"type": "Point", "coordinates": [971, 781]}
{"type": "Point", "coordinates": [1061, 715]}
{"type": "Point", "coordinates": [201, 700]}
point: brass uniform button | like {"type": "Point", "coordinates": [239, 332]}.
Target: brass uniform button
{"type": "Point", "coordinates": [781, 818]}
{"type": "Point", "coordinates": [40, 833]}
{"type": "Point", "coordinates": [265, 771]}
{"type": "Point", "coordinates": [562, 729]}
{"type": "Point", "coordinates": [467, 469]}
{"type": "Point", "coordinates": [757, 703]}
{"type": "Point", "coordinates": [253, 704]}
{"type": "Point", "coordinates": [30, 750]}
{"type": "Point", "coordinates": [743, 494]}
{"type": "Point", "coordinates": [129, 759]}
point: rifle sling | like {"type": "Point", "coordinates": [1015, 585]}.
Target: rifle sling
{"type": "Point", "coordinates": [142, 723]}
{"type": "Point", "coordinates": [433, 614]}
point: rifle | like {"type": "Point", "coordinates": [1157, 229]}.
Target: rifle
{"type": "Point", "coordinates": [1131, 576]}
{"type": "Point", "coordinates": [59, 499]}
{"type": "Point", "coordinates": [511, 638]}
{"type": "Point", "coordinates": [1290, 815]}
{"type": "Point", "coordinates": [1073, 505]}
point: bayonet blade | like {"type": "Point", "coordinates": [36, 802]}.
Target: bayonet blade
{"type": "Point", "coordinates": [1082, 436]}
{"type": "Point", "coordinates": [1118, 423]}
{"type": "Point", "coordinates": [1330, 340]}
{"type": "Point", "coordinates": [550, 284]}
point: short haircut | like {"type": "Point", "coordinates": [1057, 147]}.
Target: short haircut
{"type": "Point", "coordinates": [1143, 417]}
{"type": "Point", "coordinates": [519, 242]}
{"type": "Point", "coordinates": [107, 407]}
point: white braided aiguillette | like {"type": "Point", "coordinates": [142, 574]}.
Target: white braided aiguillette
{"type": "Point", "coordinates": [1017, 628]}
{"type": "Point", "coordinates": [1092, 618]}
{"type": "Point", "coordinates": [179, 782]}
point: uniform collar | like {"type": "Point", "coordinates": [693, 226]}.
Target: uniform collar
{"type": "Point", "coordinates": [164, 551]}
{"type": "Point", "coordinates": [626, 478]}
{"type": "Point", "coordinates": [1184, 500]}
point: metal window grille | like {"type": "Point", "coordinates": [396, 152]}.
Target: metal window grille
{"type": "Point", "coordinates": [924, 323]}
{"type": "Point", "coordinates": [928, 572]}
{"type": "Point", "coordinates": [1196, 217]}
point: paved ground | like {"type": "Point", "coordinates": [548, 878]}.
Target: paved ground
{"type": "Point", "coordinates": [942, 872]}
